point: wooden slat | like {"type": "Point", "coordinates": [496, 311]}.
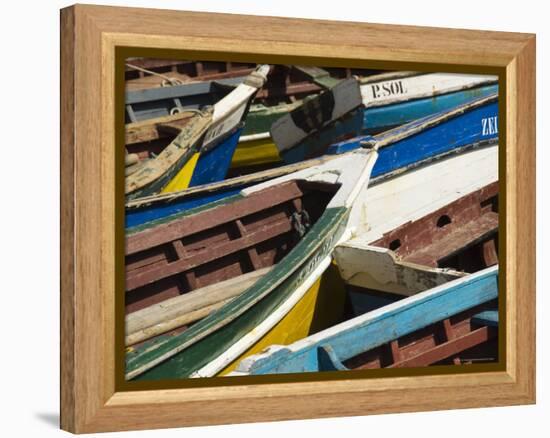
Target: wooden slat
{"type": "Point", "coordinates": [460, 238]}
{"type": "Point", "coordinates": [141, 278]}
{"type": "Point", "coordinates": [184, 309]}
{"type": "Point", "coordinates": [448, 349]}
{"type": "Point", "coordinates": [252, 253]}
{"type": "Point", "coordinates": [211, 218]}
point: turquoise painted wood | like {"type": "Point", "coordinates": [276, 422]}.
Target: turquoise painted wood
{"type": "Point", "coordinates": [382, 118]}
{"type": "Point", "coordinates": [327, 350]}
{"type": "Point", "coordinates": [487, 317]}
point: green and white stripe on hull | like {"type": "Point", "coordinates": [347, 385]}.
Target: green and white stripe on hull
{"type": "Point", "coordinates": [217, 337]}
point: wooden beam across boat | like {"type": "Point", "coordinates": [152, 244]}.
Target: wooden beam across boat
{"type": "Point", "coordinates": [299, 217]}
{"type": "Point", "coordinates": [200, 143]}
{"type": "Point", "coordinates": [148, 210]}
{"type": "Point", "coordinates": [330, 349]}
{"type": "Point", "coordinates": [458, 238]}
{"type": "Point", "coordinates": [461, 339]}
{"type": "Point", "coordinates": [390, 99]}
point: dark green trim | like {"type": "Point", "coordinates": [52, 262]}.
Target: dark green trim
{"type": "Point", "coordinates": [260, 300]}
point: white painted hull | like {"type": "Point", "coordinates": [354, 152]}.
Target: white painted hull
{"type": "Point", "coordinates": [229, 111]}
{"type": "Point", "coordinates": [398, 90]}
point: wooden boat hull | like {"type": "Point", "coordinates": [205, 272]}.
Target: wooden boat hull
{"type": "Point", "coordinates": [163, 101]}
{"type": "Point", "coordinates": [329, 349]}
{"type": "Point", "coordinates": [255, 152]}
{"type": "Point", "coordinates": [200, 354]}
{"type": "Point", "coordinates": [444, 244]}
{"type": "Point", "coordinates": [321, 306]}
{"type": "Point", "coordinates": [205, 348]}
{"type": "Point", "coordinates": [376, 119]}
{"type": "Point", "coordinates": [471, 124]}
{"type": "Point", "coordinates": [148, 211]}
{"type": "Point", "coordinates": [176, 161]}
{"type": "Point", "coordinates": [143, 73]}
{"type": "Point", "coordinates": [214, 142]}
{"type": "Point", "coordinates": [213, 164]}
{"type": "Point", "coordinates": [465, 338]}
{"type": "Point", "coordinates": [468, 126]}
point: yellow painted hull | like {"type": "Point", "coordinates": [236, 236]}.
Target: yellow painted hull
{"type": "Point", "coordinates": [322, 306]}
{"type": "Point", "coordinates": [183, 178]}
{"type": "Point", "coordinates": [255, 152]}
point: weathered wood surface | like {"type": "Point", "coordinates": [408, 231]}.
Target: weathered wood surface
{"type": "Point", "coordinates": [380, 269]}
{"type": "Point", "coordinates": [156, 173]}
{"type": "Point", "coordinates": [415, 194]}
{"type": "Point", "coordinates": [215, 244]}
{"type": "Point", "coordinates": [194, 349]}
{"type": "Point", "coordinates": [391, 90]}
{"type": "Point", "coordinates": [140, 72]}
{"type": "Point", "coordinates": [450, 341]}
{"type": "Point", "coordinates": [152, 129]}
{"type": "Point", "coordinates": [429, 251]}
{"type": "Point", "coordinates": [457, 230]}
{"type": "Point", "coordinates": [363, 333]}
{"type": "Point", "coordinates": [184, 309]}
{"type": "Point", "coordinates": [238, 181]}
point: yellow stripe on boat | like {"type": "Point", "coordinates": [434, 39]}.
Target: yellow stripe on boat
{"type": "Point", "coordinates": [183, 178]}
{"type": "Point", "coordinates": [322, 306]}
{"type": "Point", "coordinates": [254, 152]}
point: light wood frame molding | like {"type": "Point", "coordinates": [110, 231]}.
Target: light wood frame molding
{"type": "Point", "coordinates": [90, 401]}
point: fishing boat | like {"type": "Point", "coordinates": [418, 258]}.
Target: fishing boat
{"type": "Point", "coordinates": [148, 211]}
{"type": "Point", "coordinates": [144, 73]}
{"type": "Point", "coordinates": [467, 124]}
{"type": "Point", "coordinates": [426, 228]}
{"type": "Point", "coordinates": [201, 145]}
{"type": "Point", "coordinates": [470, 125]}
{"type": "Point", "coordinates": [390, 100]}
{"type": "Point", "coordinates": [320, 121]}
{"type": "Point", "coordinates": [151, 103]}
{"type": "Point", "coordinates": [286, 84]}
{"type": "Point", "coordinates": [464, 127]}
{"type": "Point", "coordinates": [447, 243]}
{"type": "Point", "coordinates": [461, 306]}
{"type": "Point", "coordinates": [290, 225]}
{"type": "Point", "coordinates": [465, 338]}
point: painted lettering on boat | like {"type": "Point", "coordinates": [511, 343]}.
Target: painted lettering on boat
{"type": "Point", "coordinates": [386, 89]}
{"type": "Point", "coordinates": [321, 253]}
{"type": "Point", "coordinates": [489, 125]}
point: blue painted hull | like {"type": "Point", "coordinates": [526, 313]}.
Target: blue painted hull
{"type": "Point", "coordinates": [212, 166]}
{"type": "Point", "coordinates": [382, 118]}
{"type": "Point", "coordinates": [465, 129]}
{"type": "Point", "coordinates": [331, 348]}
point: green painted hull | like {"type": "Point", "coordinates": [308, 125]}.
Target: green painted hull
{"type": "Point", "coordinates": [260, 118]}
{"type": "Point", "coordinates": [211, 337]}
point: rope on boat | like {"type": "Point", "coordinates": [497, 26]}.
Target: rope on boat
{"type": "Point", "coordinates": [166, 80]}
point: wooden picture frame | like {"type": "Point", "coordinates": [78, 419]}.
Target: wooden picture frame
{"type": "Point", "coordinates": [92, 399]}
